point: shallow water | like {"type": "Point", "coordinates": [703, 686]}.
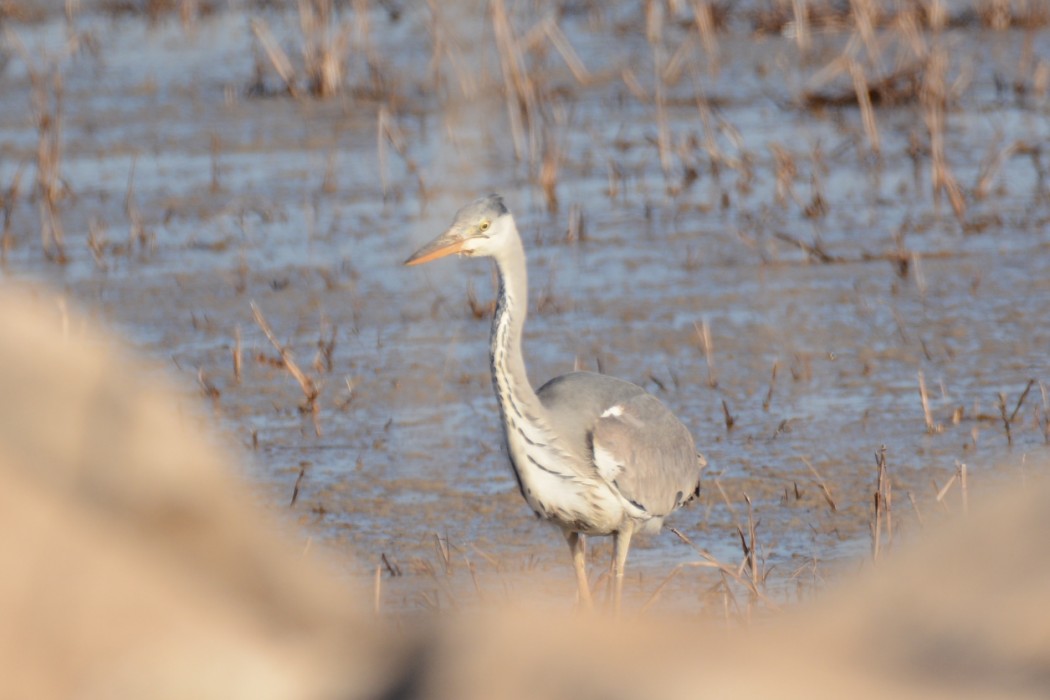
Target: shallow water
{"type": "Point", "coordinates": [233, 193]}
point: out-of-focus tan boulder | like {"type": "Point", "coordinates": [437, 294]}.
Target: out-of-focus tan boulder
{"type": "Point", "coordinates": [961, 612]}
{"type": "Point", "coordinates": [131, 565]}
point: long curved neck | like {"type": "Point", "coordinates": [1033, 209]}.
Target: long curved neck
{"type": "Point", "coordinates": [518, 402]}
{"type": "Point", "coordinates": [553, 483]}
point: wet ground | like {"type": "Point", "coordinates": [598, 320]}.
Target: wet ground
{"type": "Point", "coordinates": [828, 277]}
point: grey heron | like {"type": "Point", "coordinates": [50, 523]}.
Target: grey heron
{"type": "Point", "coordinates": [593, 454]}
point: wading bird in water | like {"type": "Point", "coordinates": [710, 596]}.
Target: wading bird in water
{"type": "Point", "coordinates": [593, 454]}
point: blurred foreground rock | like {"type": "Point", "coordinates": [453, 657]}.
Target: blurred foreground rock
{"type": "Point", "coordinates": [134, 566]}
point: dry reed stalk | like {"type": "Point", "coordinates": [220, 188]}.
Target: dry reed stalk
{"type": "Point", "coordinates": [654, 28]}
{"type": "Point", "coordinates": [278, 58]}
{"type": "Point", "coordinates": [920, 281]}
{"type": "Point", "coordinates": [1041, 78]}
{"type": "Point", "coordinates": [189, 10]}
{"type": "Point", "coordinates": [936, 15]}
{"type": "Point", "coordinates": [1046, 412]}
{"type": "Point", "coordinates": [772, 384]}
{"type": "Point", "coordinates": [835, 68]}
{"type": "Point", "coordinates": [907, 26]}
{"type": "Point", "coordinates": [934, 98]}
{"type": "Point", "coordinates": [382, 138]}
{"type": "Point", "coordinates": [961, 467]}
{"type": "Point", "coordinates": [816, 581]}
{"type": "Point", "coordinates": [63, 314]}
{"type": "Point", "coordinates": [655, 595]}
{"type": "Point", "coordinates": [943, 491]}
{"type": "Point", "coordinates": [678, 61]}
{"type": "Point", "coordinates": [703, 332]}
{"type": "Point", "coordinates": [392, 567]}
{"type": "Point", "coordinates": [889, 508]}
{"type": "Point", "coordinates": [548, 177]}
{"type": "Point", "coordinates": [1008, 421]}
{"type": "Point", "coordinates": [991, 167]}
{"type": "Point", "coordinates": [310, 389]}
{"type": "Point", "coordinates": [931, 427]}
{"type": "Point", "coordinates": [330, 183]}
{"type": "Point", "coordinates": [814, 250]}
{"type": "Point", "coordinates": [97, 242]}
{"type": "Point", "coordinates": [818, 205]}
{"type": "Point", "coordinates": [493, 561]}
{"type": "Point", "coordinates": [345, 403]}
{"type": "Point", "coordinates": [46, 106]}
{"type": "Point", "coordinates": [802, 33]}
{"type": "Point", "coordinates": [564, 47]}
{"type": "Point", "coordinates": [324, 49]}
{"type": "Point", "coordinates": [883, 514]}
{"type": "Point", "coordinates": [214, 148]}
{"type": "Point", "coordinates": [749, 546]}
{"type": "Point", "coordinates": [137, 232]}
{"type": "Point", "coordinates": [298, 483]}
{"type": "Point", "coordinates": [443, 583]}
{"type": "Point", "coordinates": [617, 181]}
{"type": "Point", "coordinates": [519, 89]}
{"type": "Point", "coordinates": [726, 594]}
{"type": "Point", "coordinates": [474, 578]}
{"type": "Point", "coordinates": [898, 86]}
{"type": "Point", "coordinates": [725, 497]}
{"type": "Point", "coordinates": [443, 44]}
{"type": "Point", "coordinates": [704, 17]}
{"type": "Point", "coordinates": [534, 38]}
{"type": "Point", "coordinates": [387, 131]}
{"type": "Point", "coordinates": [915, 507]}
{"type": "Point", "coordinates": [823, 486]}
{"type": "Point", "coordinates": [710, 562]}
{"type": "Point", "coordinates": [860, 85]}
{"type": "Point", "coordinates": [716, 159]}
{"type": "Point", "coordinates": [786, 172]}
{"type": "Point", "coordinates": [865, 14]}
{"type": "Point", "coordinates": [7, 206]}
{"type": "Point", "coordinates": [49, 155]}
{"type": "Point", "coordinates": [443, 551]}
{"type": "Point", "coordinates": [325, 347]}
{"type": "Point", "coordinates": [577, 231]}
{"type": "Point", "coordinates": [729, 419]}
{"type": "Point", "coordinates": [207, 387]}
{"type": "Point", "coordinates": [1020, 401]}
{"type": "Point", "coordinates": [237, 354]}
{"type": "Point", "coordinates": [363, 41]}
{"type": "Point", "coordinates": [996, 14]}
{"type": "Point", "coordinates": [634, 86]}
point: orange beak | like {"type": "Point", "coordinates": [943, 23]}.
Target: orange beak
{"type": "Point", "coordinates": [441, 246]}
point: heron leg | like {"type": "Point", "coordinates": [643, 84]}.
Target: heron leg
{"type": "Point", "coordinates": [578, 547]}
{"type": "Point", "coordinates": [621, 544]}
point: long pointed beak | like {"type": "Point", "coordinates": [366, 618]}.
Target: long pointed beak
{"type": "Point", "coordinates": [445, 244]}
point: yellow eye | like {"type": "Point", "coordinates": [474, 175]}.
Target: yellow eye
{"type": "Point", "coordinates": [484, 226]}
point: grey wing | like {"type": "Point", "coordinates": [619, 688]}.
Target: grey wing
{"type": "Point", "coordinates": [576, 400]}
{"type": "Point", "coordinates": [646, 453]}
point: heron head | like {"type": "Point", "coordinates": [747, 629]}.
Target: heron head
{"type": "Point", "coordinates": [478, 229]}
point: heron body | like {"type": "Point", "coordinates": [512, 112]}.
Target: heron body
{"type": "Point", "coordinates": [593, 454]}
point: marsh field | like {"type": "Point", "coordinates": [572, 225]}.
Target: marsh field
{"type": "Point", "coordinates": [818, 231]}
